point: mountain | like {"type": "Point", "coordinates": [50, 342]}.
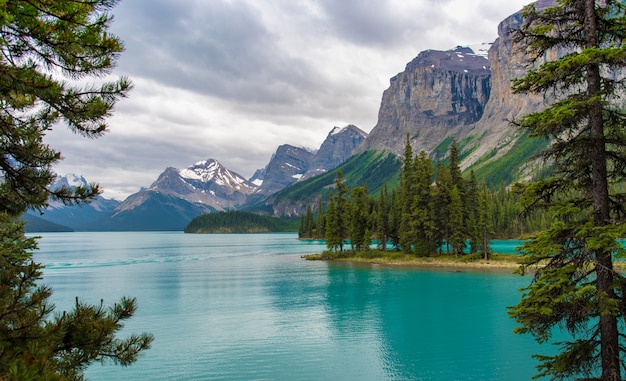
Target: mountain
{"type": "Point", "coordinates": [207, 182]}
{"type": "Point", "coordinates": [336, 149]}
{"type": "Point", "coordinates": [72, 217]}
{"type": "Point", "coordinates": [286, 166]}
{"type": "Point", "coordinates": [179, 195]}
{"type": "Point", "coordinates": [439, 94]}
{"type": "Point", "coordinates": [153, 211]}
{"type": "Point", "coordinates": [371, 169]}
{"type": "Point", "coordinates": [291, 165]}
{"type": "Point", "coordinates": [35, 224]}
{"type": "Point", "coordinates": [460, 95]}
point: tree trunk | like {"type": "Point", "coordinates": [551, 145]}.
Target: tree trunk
{"type": "Point", "coordinates": [609, 335]}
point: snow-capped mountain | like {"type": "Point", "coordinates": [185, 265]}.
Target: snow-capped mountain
{"type": "Point", "coordinates": [76, 217]}
{"type": "Point", "coordinates": [206, 182]}
{"type": "Point", "coordinates": [179, 195]}
{"type": "Point", "coordinates": [286, 166]}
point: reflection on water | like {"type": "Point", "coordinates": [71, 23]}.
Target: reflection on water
{"type": "Point", "coordinates": [241, 307]}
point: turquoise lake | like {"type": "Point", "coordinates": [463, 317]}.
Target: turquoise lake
{"type": "Point", "coordinates": [248, 307]}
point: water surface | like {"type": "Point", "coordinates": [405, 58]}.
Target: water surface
{"type": "Point", "coordinates": [247, 307]}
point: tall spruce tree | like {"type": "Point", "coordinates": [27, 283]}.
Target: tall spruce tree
{"type": "Point", "coordinates": [319, 221]}
{"type": "Point", "coordinates": [484, 219]}
{"type": "Point", "coordinates": [43, 44]}
{"type": "Point", "coordinates": [422, 214]}
{"type": "Point", "coordinates": [395, 217]}
{"type": "Point", "coordinates": [442, 203]}
{"type": "Point", "coordinates": [407, 197]}
{"type": "Point", "coordinates": [360, 219]}
{"type": "Point", "coordinates": [456, 239]}
{"type": "Point", "coordinates": [383, 214]}
{"type": "Point", "coordinates": [332, 233]}
{"type": "Point", "coordinates": [575, 285]}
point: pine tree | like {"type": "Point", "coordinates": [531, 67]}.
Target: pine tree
{"type": "Point", "coordinates": [422, 224]}
{"type": "Point", "coordinates": [359, 232]}
{"type": "Point", "coordinates": [442, 207]}
{"type": "Point", "coordinates": [395, 217]}
{"type": "Point", "coordinates": [484, 224]}
{"type": "Point", "coordinates": [332, 234]}
{"type": "Point", "coordinates": [342, 209]}
{"type": "Point", "coordinates": [457, 238]}
{"type": "Point", "coordinates": [45, 43]}
{"type": "Point", "coordinates": [319, 223]}
{"type": "Point", "coordinates": [383, 214]}
{"type": "Point", "coordinates": [575, 286]}
{"type": "Point", "coordinates": [471, 212]}
{"type": "Point", "coordinates": [407, 197]}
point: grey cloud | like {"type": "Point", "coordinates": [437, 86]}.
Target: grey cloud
{"type": "Point", "coordinates": [215, 48]}
{"type": "Point", "coordinates": [375, 23]}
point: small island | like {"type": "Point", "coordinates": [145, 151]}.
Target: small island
{"type": "Point", "coordinates": [234, 221]}
{"type": "Point", "coordinates": [496, 261]}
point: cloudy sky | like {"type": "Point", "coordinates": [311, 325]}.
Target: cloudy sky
{"type": "Point", "coordinates": [234, 79]}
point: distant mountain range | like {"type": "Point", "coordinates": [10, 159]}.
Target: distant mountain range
{"type": "Point", "coordinates": [179, 195]}
{"type": "Point", "coordinates": [441, 96]}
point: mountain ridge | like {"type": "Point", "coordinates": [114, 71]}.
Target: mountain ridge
{"type": "Point", "coordinates": [457, 94]}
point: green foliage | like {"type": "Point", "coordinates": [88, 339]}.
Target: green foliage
{"type": "Point", "coordinates": [49, 50]}
{"type": "Point", "coordinates": [575, 285]}
{"type": "Point", "coordinates": [442, 148]}
{"type": "Point", "coordinates": [502, 170]}
{"type": "Point", "coordinates": [332, 235]}
{"type": "Point", "coordinates": [40, 38]}
{"type": "Point", "coordinates": [370, 169]}
{"type": "Point", "coordinates": [34, 345]}
{"type": "Point", "coordinates": [240, 222]}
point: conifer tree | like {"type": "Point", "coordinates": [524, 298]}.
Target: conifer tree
{"type": "Point", "coordinates": [332, 234]}
{"type": "Point", "coordinates": [395, 216]}
{"type": "Point", "coordinates": [342, 208]}
{"type": "Point", "coordinates": [455, 168]}
{"type": "Point", "coordinates": [484, 224]}
{"type": "Point", "coordinates": [422, 224]}
{"type": "Point", "coordinates": [43, 44]}
{"type": "Point", "coordinates": [407, 197]}
{"type": "Point", "coordinates": [308, 223]}
{"type": "Point", "coordinates": [319, 223]}
{"type": "Point", "coordinates": [442, 207]}
{"type": "Point", "coordinates": [575, 285]}
{"type": "Point", "coordinates": [359, 232]}
{"type": "Point", "coordinates": [383, 214]}
{"type": "Point", "coordinates": [471, 213]}
{"type": "Point", "coordinates": [457, 238]}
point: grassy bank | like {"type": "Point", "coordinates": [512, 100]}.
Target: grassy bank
{"type": "Point", "coordinates": [397, 258]}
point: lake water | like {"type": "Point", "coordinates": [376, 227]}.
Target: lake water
{"type": "Point", "coordinates": [247, 307]}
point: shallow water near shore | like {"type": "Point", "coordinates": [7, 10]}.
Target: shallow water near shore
{"type": "Point", "coordinates": [248, 307]}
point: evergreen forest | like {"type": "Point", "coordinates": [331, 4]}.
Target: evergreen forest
{"type": "Point", "coordinates": [239, 222]}
{"type": "Point", "coordinates": [434, 209]}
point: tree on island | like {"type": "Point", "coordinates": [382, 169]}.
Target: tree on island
{"type": "Point", "coordinates": [48, 49]}
{"type": "Point", "coordinates": [575, 286]}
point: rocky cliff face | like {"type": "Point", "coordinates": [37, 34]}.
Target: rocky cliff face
{"type": "Point", "coordinates": [286, 166]}
{"type": "Point", "coordinates": [494, 132]}
{"type": "Point", "coordinates": [292, 164]}
{"type": "Point", "coordinates": [439, 94]}
{"type": "Point", "coordinates": [336, 149]}
{"type": "Point", "coordinates": [457, 94]}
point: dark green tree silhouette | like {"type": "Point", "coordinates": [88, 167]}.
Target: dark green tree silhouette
{"type": "Point", "coordinates": [49, 50]}
{"type": "Point", "coordinates": [575, 286]}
